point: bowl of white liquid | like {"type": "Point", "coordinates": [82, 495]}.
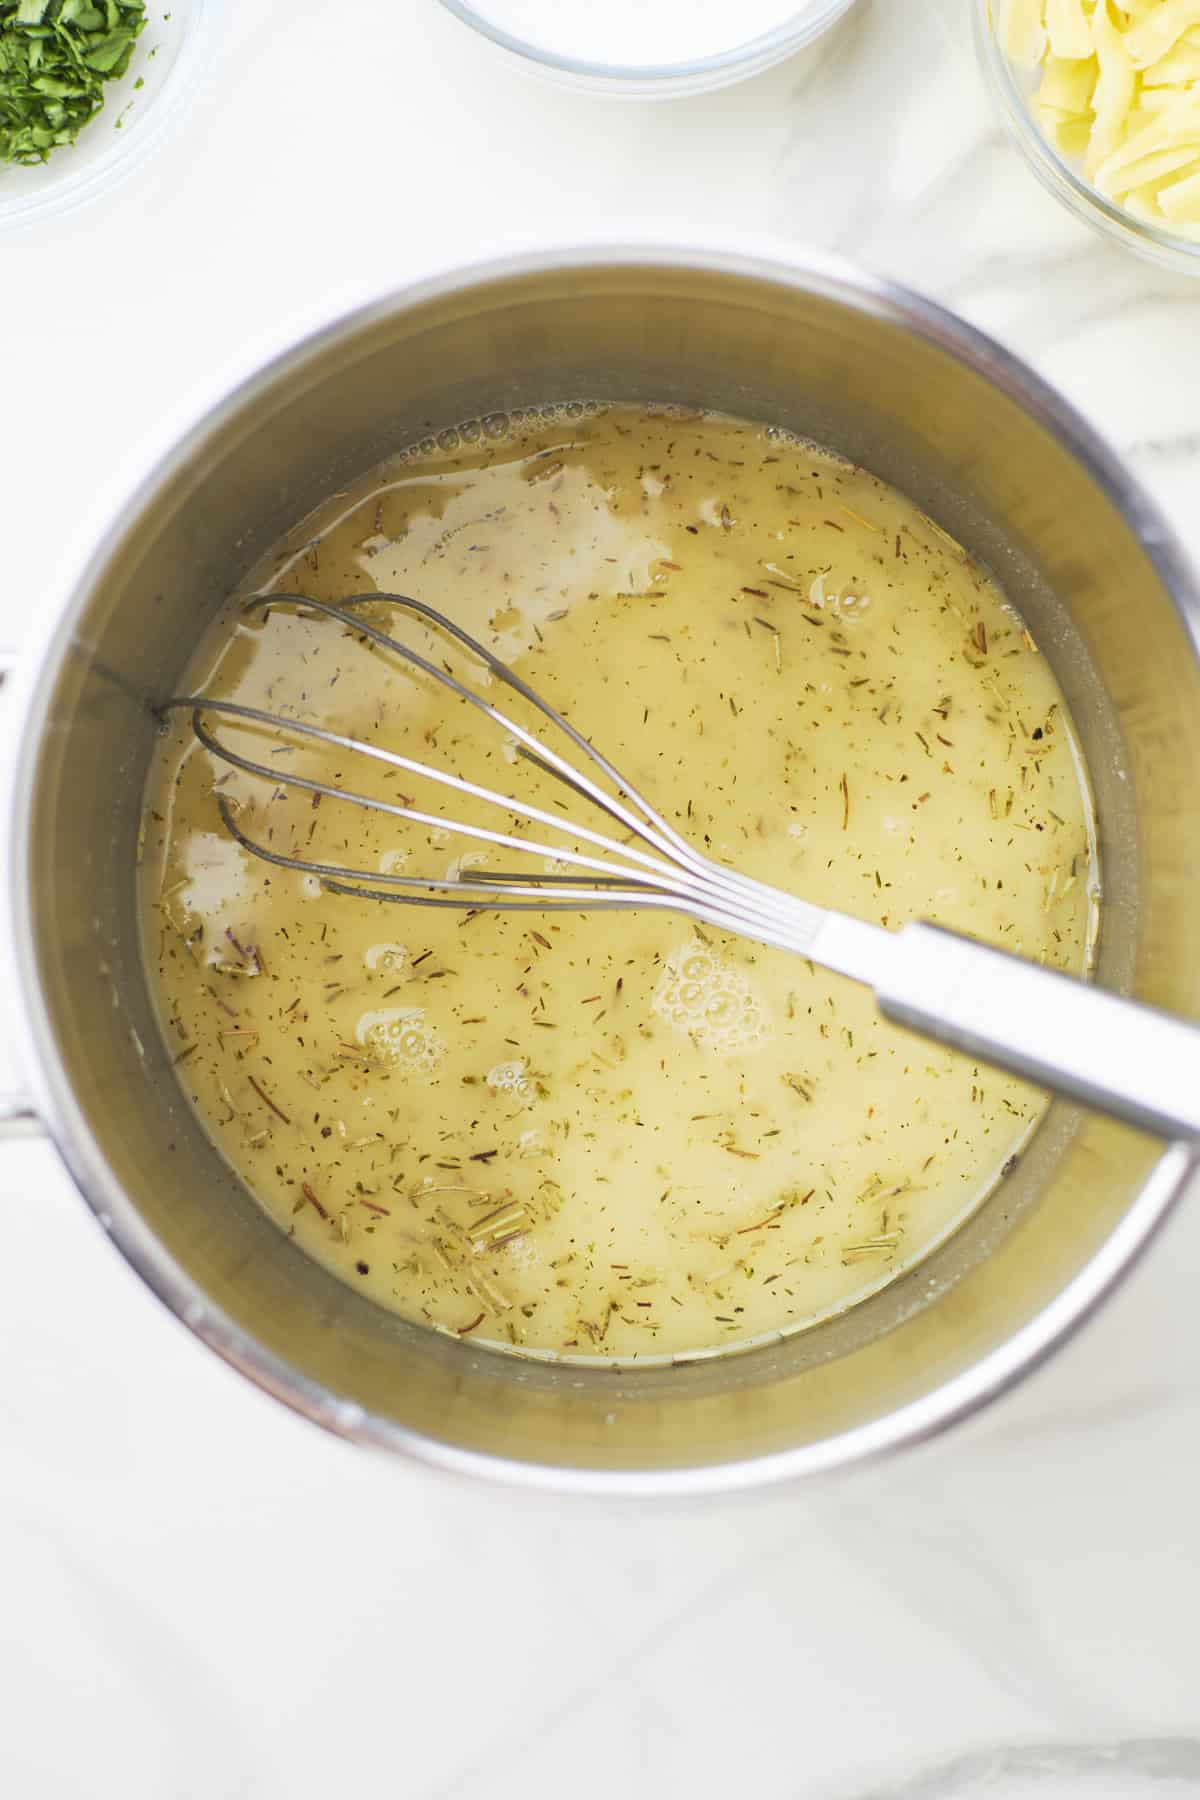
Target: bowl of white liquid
{"type": "Point", "coordinates": [649, 49]}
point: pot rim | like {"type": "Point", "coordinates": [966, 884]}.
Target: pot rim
{"type": "Point", "coordinates": [50, 1090]}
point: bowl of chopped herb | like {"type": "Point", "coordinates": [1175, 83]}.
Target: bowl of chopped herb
{"type": "Point", "coordinates": [86, 89]}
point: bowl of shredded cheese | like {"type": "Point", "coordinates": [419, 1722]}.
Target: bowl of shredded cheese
{"type": "Point", "coordinates": [1103, 96]}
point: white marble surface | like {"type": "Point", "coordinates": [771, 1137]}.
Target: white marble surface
{"type": "Point", "coordinates": [202, 1597]}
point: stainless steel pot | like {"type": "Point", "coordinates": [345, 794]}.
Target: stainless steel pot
{"type": "Point", "coordinates": [894, 383]}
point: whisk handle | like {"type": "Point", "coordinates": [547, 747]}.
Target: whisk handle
{"type": "Point", "coordinates": [1112, 1054]}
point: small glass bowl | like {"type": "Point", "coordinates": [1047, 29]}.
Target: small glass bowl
{"type": "Point", "coordinates": [663, 81]}
{"type": "Point", "coordinates": [168, 59]}
{"type": "Point", "coordinates": [1012, 89]}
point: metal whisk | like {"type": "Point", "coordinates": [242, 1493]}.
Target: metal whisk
{"type": "Point", "coordinates": [1093, 1046]}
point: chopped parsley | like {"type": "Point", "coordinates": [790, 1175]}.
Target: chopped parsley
{"type": "Point", "coordinates": [55, 57]}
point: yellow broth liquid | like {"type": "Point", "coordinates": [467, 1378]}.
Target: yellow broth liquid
{"type": "Point", "coordinates": [615, 1136]}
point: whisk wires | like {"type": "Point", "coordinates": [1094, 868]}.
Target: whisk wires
{"type": "Point", "coordinates": [650, 865]}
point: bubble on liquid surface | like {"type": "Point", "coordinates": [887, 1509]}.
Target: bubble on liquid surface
{"type": "Point", "coordinates": [392, 861]}
{"type": "Point", "coordinates": [501, 424]}
{"type": "Point", "coordinates": [702, 994]}
{"type": "Point", "coordinates": [386, 957]}
{"type": "Point", "coordinates": [399, 1034]}
{"type": "Point", "coordinates": [509, 1078]}
{"type": "Point", "coordinates": [846, 607]}
{"type": "Point", "coordinates": [851, 606]}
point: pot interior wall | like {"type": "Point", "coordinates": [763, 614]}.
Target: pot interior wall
{"type": "Point", "coordinates": [827, 362]}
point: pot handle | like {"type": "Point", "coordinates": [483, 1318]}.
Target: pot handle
{"type": "Point", "coordinates": [17, 1115]}
{"type": "Point", "coordinates": [18, 1119]}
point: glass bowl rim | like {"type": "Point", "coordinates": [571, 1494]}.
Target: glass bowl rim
{"type": "Point", "coordinates": [803, 24]}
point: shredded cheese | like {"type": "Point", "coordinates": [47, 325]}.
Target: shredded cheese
{"type": "Point", "coordinates": [1119, 94]}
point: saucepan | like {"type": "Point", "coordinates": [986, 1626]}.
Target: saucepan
{"type": "Point", "coordinates": [893, 382]}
